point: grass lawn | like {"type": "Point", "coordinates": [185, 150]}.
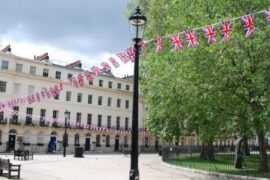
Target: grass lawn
{"type": "Point", "coordinates": [224, 163]}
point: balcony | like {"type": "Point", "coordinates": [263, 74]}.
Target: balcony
{"type": "Point", "coordinates": [14, 121]}
{"type": "Point", "coordinates": [42, 123]}
{"type": "Point", "coordinates": [29, 123]}
{"type": "Point", "coordinates": [3, 121]}
{"type": "Point", "coordinates": [55, 124]}
{"type": "Point", "coordinates": [79, 126]}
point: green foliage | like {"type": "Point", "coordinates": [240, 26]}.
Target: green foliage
{"type": "Point", "coordinates": [214, 90]}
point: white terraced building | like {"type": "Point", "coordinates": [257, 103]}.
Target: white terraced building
{"type": "Point", "coordinates": [107, 102]}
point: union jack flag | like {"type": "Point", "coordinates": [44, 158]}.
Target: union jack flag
{"type": "Point", "coordinates": [106, 66]}
{"type": "Point", "coordinates": [225, 28]}
{"type": "Point", "coordinates": [159, 44]}
{"type": "Point", "coordinates": [143, 44]}
{"type": "Point", "coordinates": [80, 82]}
{"type": "Point", "coordinates": [38, 97]}
{"type": "Point", "coordinates": [96, 70]}
{"type": "Point", "coordinates": [131, 53]}
{"type": "Point", "coordinates": [191, 38]}
{"type": "Point", "coordinates": [124, 58]}
{"type": "Point", "coordinates": [114, 62]}
{"type": "Point", "coordinates": [248, 24]}
{"type": "Point", "coordinates": [267, 16]}
{"type": "Point", "coordinates": [176, 42]}
{"type": "Point", "coordinates": [88, 76]}
{"type": "Point", "coordinates": [210, 34]}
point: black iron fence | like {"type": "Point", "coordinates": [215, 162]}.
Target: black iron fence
{"type": "Point", "coordinates": [223, 162]}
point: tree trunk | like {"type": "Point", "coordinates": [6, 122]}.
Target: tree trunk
{"type": "Point", "coordinates": [263, 156]}
{"type": "Point", "coordinates": [207, 151]}
{"type": "Point", "coordinates": [246, 148]}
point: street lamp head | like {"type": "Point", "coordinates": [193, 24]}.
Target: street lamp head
{"type": "Point", "coordinates": [66, 114]}
{"type": "Point", "coordinates": [137, 25]}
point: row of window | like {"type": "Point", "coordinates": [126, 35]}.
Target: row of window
{"type": "Point", "coordinates": [29, 112]}
{"type": "Point", "coordinates": [31, 90]}
{"type": "Point", "coordinates": [100, 100]}
{"type": "Point", "coordinates": [33, 70]}
{"type": "Point", "coordinates": [110, 84]}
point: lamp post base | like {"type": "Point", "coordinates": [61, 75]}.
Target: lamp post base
{"type": "Point", "coordinates": [64, 154]}
{"type": "Point", "coordinates": [134, 174]}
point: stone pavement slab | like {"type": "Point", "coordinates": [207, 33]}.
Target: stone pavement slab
{"type": "Point", "coordinates": [97, 167]}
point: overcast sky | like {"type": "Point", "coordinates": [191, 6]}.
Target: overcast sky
{"type": "Point", "coordinates": [89, 30]}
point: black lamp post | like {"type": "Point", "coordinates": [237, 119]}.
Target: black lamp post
{"type": "Point", "coordinates": [137, 24]}
{"type": "Point", "coordinates": [65, 135]}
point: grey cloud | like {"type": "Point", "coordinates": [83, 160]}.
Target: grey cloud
{"type": "Point", "coordinates": [87, 26]}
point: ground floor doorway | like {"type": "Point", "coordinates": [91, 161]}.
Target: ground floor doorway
{"type": "Point", "coordinates": [116, 144]}
{"type": "Point", "coordinates": [87, 144]}
{"type": "Point", "coordinates": [11, 142]}
{"type": "Point", "coordinates": [52, 144]}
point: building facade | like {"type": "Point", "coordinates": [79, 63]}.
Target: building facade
{"type": "Point", "coordinates": [105, 103]}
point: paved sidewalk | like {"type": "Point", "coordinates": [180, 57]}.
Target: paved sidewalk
{"type": "Point", "coordinates": [97, 167]}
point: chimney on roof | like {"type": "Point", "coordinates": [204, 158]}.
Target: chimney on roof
{"type": "Point", "coordinates": [42, 57]}
{"type": "Point", "coordinates": [76, 64]}
{"type": "Point", "coordinates": [7, 49]}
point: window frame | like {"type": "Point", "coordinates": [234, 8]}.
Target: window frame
{"type": "Point", "coordinates": [100, 98]}
{"type": "Point", "coordinates": [100, 82]}
{"type": "Point", "coordinates": [16, 88]}
{"type": "Point", "coordinates": [17, 69]}
{"type": "Point", "coordinates": [118, 103]}
{"type": "Point", "coordinates": [33, 70]}
{"type": "Point", "coordinates": [4, 64]}
{"type": "Point", "coordinates": [3, 86]}
{"type": "Point", "coordinates": [109, 121]}
{"type": "Point", "coordinates": [90, 99]}
{"type": "Point", "coordinates": [109, 102]}
{"type": "Point", "coordinates": [68, 95]}
{"type": "Point", "coordinates": [31, 89]}
{"type": "Point", "coordinates": [99, 120]}
{"type": "Point", "coordinates": [89, 119]}
{"type": "Point", "coordinates": [119, 85]}
{"type": "Point", "coordinates": [118, 122]}
{"type": "Point", "coordinates": [45, 72]}
{"type": "Point", "coordinates": [126, 123]}
{"type": "Point", "coordinates": [127, 104]}
{"type": "Point", "coordinates": [78, 117]}
{"type": "Point", "coordinates": [110, 84]}
{"type": "Point", "coordinates": [79, 97]}
{"type": "Point", "coordinates": [57, 75]}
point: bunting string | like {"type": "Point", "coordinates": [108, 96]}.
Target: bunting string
{"type": "Point", "coordinates": [190, 37]}
{"type": "Point", "coordinates": [214, 24]}
{"type": "Point", "coordinates": [53, 122]}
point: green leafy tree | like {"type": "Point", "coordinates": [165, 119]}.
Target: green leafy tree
{"type": "Point", "coordinates": [212, 90]}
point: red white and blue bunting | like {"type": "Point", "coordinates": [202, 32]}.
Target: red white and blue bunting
{"type": "Point", "coordinates": [190, 36]}
{"type": "Point", "coordinates": [52, 122]}
{"type": "Point", "coordinates": [210, 32]}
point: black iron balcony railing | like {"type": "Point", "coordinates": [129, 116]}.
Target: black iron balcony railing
{"type": "Point", "coordinates": [14, 121]}
{"type": "Point", "coordinates": [55, 124]}
{"type": "Point", "coordinates": [42, 123]}
{"type": "Point", "coordinates": [3, 121]}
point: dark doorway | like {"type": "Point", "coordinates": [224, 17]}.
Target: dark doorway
{"type": "Point", "coordinates": [52, 145]}
{"type": "Point", "coordinates": [87, 144]}
{"type": "Point", "coordinates": [116, 145]}
{"type": "Point", "coordinates": [11, 142]}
